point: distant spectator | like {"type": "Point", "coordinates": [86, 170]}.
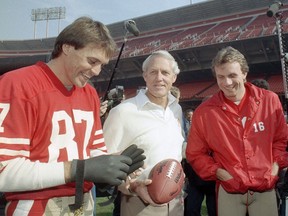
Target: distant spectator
{"type": "Point", "coordinates": [187, 118]}
{"type": "Point", "coordinates": [261, 83]}
{"type": "Point", "coordinates": [175, 91]}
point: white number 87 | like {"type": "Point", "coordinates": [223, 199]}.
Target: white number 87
{"type": "Point", "coordinates": [4, 108]}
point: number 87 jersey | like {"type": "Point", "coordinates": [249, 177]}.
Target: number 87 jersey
{"type": "Point", "coordinates": [42, 124]}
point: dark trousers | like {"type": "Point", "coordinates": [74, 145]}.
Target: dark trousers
{"type": "Point", "coordinates": [197, 189]}
{"type": "Point", "coordinates": [2, 204]}
{"type": "Point", "coordinates": [117, 204]}
{"type": "Point", "coordinates": [195, 197]}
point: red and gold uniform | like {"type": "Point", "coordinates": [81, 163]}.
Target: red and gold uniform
{"type": "Point", "coordinates": [42, 124]}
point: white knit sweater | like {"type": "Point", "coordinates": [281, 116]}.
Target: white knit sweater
{"type": "Point", "coordinates": [149, 126]}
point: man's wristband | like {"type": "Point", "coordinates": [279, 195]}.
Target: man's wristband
{"type": "Point", "coordinates": [73, 170]}
{"type": "Point", "coordinates": [79, 183]}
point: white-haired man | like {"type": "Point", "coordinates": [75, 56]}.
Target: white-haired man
{"type": "Point", "coordinates": [152, 121]}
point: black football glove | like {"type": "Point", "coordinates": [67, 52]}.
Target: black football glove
{"type": "Point", "coordinates": [136, 154]}
{"type": "Point", "coordinates": [109, 169]}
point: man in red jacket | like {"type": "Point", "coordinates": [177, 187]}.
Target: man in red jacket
{"type": "Point", "coordinates": [238, 138]}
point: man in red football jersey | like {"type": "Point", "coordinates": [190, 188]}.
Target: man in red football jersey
{"type": "Point", "coordinates": [238, 137]}
{"type": "Point", "coordinates": [50, 130]}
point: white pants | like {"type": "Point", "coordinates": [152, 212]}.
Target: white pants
{"type": "Point", "coordinates": [58, 206]}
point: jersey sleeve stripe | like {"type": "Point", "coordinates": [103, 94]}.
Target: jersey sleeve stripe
{"type": "Point", "coordinates": [98, 152]}
{"type": "Point", "coordinates": [98, 141]}
{"type": "Point", "coordinates": [23, 206]}
{"type": "Point", "coordinates": [8, 152]}
{"type": "Point", "coordinates": [98, 132]}
{"type": "Point", "coordinates": [14, 140]}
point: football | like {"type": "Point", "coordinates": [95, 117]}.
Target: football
{"type": "Point", "coordinates": [167, 181]}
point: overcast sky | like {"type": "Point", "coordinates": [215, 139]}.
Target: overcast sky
{"type": "Point", "coordinates": [16, 23]}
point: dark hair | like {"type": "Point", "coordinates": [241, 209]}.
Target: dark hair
{"type": "Point", "coordinates": [82, 32]}
{"type": "Point", "coordinates": [261, 83]}
{"type": "Point", "coordinates": [189, 110]}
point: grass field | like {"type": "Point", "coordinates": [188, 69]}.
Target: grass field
{"type": "Point", "coordinates": [107, 210]}
{"type": "Point", "coordinates": [103, 210]}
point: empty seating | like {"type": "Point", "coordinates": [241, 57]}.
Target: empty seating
{"type": "Point", "coordinates": [190, 90]}
{"type": "Point", "coordinates": [233, 27]}
{"type": "Point", "coordinates": [276, 83]}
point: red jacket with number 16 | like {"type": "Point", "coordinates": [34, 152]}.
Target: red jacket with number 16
{"type": "Point", "coordinates": [245, 144]}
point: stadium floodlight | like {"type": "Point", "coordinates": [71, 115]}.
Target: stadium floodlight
{"type": "Point", "coordinates": [40, 14]}
{"type": "Point", "coordinates": [274, 11]}
{"type": "Point", "coordinates": [285, 57]}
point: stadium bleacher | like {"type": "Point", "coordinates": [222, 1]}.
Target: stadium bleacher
{"type": "Point", "coordinates": [276, 83]}
{"type": "Point", "coordinates": [193, 34]}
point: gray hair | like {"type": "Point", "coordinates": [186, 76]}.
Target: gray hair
{"type": "Point", "coordinates": [165, 54]}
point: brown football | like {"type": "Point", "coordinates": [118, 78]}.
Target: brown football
{"type": "Point", "coordinates": [167, 181]}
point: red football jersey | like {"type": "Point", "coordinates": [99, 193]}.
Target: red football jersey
{"type": "Point", "coordinates": [44, 123]}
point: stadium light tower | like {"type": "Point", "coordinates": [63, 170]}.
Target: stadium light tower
{"type": "Point", "coordinates": [47, 14]}
{"type": "Point", "coordinates": [274, 11]}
